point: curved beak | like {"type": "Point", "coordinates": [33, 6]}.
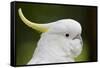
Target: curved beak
{"type": "Point", "coordinates": [38, 27]}
{"type": "Point", "coordinates": [80, 38]}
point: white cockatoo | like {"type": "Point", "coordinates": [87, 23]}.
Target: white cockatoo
{"type": "Point", "coordinates": [60, 41]}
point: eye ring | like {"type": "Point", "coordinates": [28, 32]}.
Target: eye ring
{"type": "Point", "coordinates": [67, 35]}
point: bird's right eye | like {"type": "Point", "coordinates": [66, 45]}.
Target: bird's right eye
{"type": "Point", "coordinates": [67, 35]}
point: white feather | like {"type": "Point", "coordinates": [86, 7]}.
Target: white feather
{"type": "Point", "coordinates": [55, 47]}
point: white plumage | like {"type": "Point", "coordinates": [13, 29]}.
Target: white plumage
{"type": "Point", "coordinates": [61, 42]}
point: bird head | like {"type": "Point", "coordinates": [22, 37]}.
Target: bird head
{"type": "Point", "coordinates": [65, 27]}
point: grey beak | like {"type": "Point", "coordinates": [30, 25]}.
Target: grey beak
{"type": "Point", "coordinates": [79, 37]}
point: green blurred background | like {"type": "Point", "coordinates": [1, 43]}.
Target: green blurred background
{"type": "Point", "coordinates": [27, 38]}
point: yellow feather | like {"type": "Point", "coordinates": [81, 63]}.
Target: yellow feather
{"type": "Point", "coordinates": [38, 27]}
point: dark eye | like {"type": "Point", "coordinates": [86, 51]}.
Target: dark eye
{"type": "Point", "coordinates": [67, 35]}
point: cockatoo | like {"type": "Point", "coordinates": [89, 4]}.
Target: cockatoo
{"type": "Point", "coordinates": [60, 41]}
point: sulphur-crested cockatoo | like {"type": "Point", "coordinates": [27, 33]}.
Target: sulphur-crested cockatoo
{"type": "Point", "coordinates": [60, 41]}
